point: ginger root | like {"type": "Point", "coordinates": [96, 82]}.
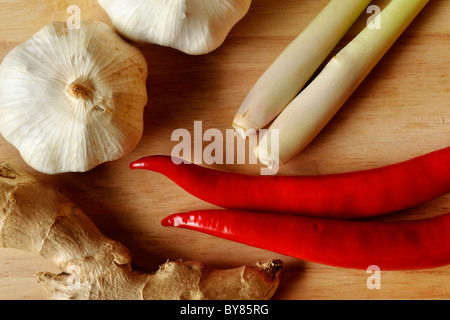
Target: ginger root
{"type": "Point", "coordinates": [40, 219]}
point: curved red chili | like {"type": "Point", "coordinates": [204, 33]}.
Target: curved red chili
{"type": "Point", "coordinates": [347, 195]}
{"type": "Point", "coordinates": [404, 245]}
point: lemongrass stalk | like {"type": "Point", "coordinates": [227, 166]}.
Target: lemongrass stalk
{"type": "Point", "coordinates": [313, 108]}
{"type": "Point", "coordinates": [284, 79]}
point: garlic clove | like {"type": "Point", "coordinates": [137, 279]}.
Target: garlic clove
{"type": "Point", "coordinates": [71, 99]}
{"type": "Point", "coordinates": [192, 26]}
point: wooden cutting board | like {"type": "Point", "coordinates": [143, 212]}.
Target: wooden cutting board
{"type": "Point", "coordinates": [400, 111]}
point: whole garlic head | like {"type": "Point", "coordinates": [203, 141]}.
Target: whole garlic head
{"type": "Point", "coordinates": [71, 99]}
{"type": "Point", "coordinates": [192, 26]}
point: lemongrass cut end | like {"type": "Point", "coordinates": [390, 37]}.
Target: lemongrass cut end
{"type": "Point", "coordinates": [266, 158]}
{"type": "Point", "coordinates": [242, 131]}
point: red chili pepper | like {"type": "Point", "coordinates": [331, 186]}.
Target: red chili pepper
{"type": "Point", "coordinates": [403, 245]}
{"type": "Point", "coordinates": [346, 195]}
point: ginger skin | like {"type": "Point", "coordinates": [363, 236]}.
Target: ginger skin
{"type": "Point", "coordinates": [40, 219]}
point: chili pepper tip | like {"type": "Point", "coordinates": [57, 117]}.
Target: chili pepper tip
{"type": "Point", "coordinates": [167, 222]}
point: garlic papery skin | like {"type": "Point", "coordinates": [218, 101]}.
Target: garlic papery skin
{"type": "Point", "coordinates": [71, 99]}
{"type": "Point", "coordinates": [192, 26]}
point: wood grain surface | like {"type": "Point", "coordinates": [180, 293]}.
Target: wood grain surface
{"type": "Point", "coordinates": [400, 111]}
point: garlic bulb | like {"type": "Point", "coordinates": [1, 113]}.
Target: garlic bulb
{"type": "Point", "coordinates": [71, 99]}
{"type": "Point", "coordinates": [192, 26]}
